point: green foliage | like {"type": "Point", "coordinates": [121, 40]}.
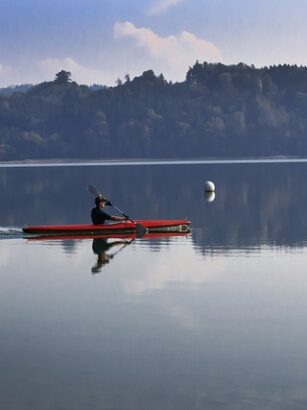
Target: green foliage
{"type": "Point", "coordinates": [218, 110]}
{"type": "Point", "coordinates": [63, 77]}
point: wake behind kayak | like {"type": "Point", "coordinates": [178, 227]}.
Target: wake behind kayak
{"type": "Point", "coordinates": [13, 232]}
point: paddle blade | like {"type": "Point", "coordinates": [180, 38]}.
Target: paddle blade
{"type": "Point", "coordinates": [140, 230]}
{"type": "Point", "coordinates": [93, 190]}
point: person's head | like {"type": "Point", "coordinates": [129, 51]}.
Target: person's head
{"type": "Point", "coordinates": [100, 201]}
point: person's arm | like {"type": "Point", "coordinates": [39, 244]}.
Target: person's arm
{"type": "Point", "coordinates": [118, 218]}
{"type": "Point", "coordinates": [112, 217]}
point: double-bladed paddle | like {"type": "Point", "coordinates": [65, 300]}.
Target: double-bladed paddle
{"type": "Point", "coordinates": [140, 229]}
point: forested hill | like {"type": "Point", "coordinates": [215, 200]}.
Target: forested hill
{"type": "Point", "coordinates": [217, 111]}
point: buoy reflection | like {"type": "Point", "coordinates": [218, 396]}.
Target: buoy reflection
{"type": "Point", "coordinates": [209, 196]}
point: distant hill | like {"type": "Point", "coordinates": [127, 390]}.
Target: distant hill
{"type": "Point", "coordinates": [15, 89]}
{"type": "Point", "coordinates": [219, 111]}
{"type": "Point", "coordinates": [25, 87]}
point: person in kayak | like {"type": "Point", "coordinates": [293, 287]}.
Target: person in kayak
{"type": "Point", "coordinates": [99, 216]}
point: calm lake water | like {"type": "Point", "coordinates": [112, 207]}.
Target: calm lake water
{"type": "Point", "coordinates": [213, 320]}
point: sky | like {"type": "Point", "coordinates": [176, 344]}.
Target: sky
{"type": "Point", "coordinates": [99, 41]}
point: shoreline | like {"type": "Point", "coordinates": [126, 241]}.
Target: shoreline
{"type": "Point", "coordinates": [147, 161]}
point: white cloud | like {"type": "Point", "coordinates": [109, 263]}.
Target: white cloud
{"type": "Point", "coordinates": [171, 55]}
{"type": "Point", "coordinates": [162, 5]}
{"type": "Point", "coordinates": [80, 73]}
{"type": "Point", "coordinates": [4, 69]}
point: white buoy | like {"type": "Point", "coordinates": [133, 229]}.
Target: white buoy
{"type": "Point", "coordinates": [209, 186]}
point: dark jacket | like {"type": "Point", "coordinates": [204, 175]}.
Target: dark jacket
{"type": "Point", "coordinates": [99, 216]}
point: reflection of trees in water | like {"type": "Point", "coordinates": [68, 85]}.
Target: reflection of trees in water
{"type": "Point", "coordinates": [254, 203]}
{"type": "Point", "coordinates": [262, 205]}
{"type": "Point", "coordinates": [69, 246]}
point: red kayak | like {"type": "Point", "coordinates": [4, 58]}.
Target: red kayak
{"type": "Point", "coordinates": [151, 226]}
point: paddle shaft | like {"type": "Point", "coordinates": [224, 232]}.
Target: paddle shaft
{"type": "Point", "coordinates": [124, 245]}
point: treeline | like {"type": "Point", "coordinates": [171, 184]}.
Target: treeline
{"type": "Point", "coordinates": [12, 89]}
{"type": "Point", "coordinates": [22, 88]}
{"type": "Point", "coordinates": [219, 111]}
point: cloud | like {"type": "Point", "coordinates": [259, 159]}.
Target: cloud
{"type": "Point", "coordinates": [134, 50]}
{"type": "Point", "coordinates": [80, 73]}
{"type": "Point", "coordinates": [162, 5]}
{"type": "Point", "coordinates": [6, 73]}
{"type": "Point", "coordinates": [46, 68]}
{"type": "Point", "coordinates": [4, 69]}
{"type": "Point", "coordinates": [171, 55]}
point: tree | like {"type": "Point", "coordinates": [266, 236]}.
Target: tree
{"type": "Point", "coordinates": [63, 77]}
{"type": "Point", "coordinates": [119, 82]}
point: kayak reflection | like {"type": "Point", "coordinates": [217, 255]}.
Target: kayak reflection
{"type": "Point", "coordinates": [101, 246]}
